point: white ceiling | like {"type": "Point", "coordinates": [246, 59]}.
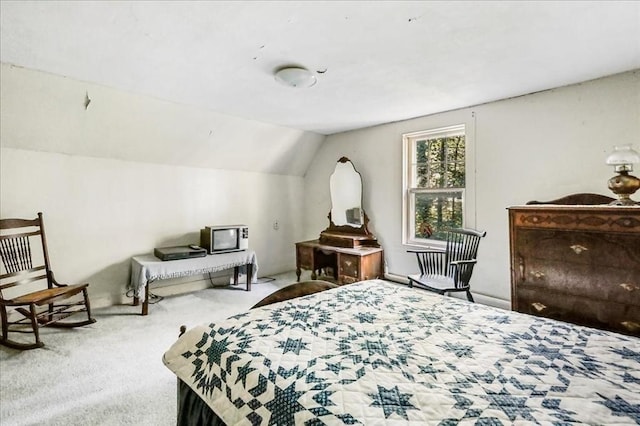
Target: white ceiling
{"type": "Point", "coordinates": [384, 61]}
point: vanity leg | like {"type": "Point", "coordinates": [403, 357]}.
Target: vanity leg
{"type": "Point", "coordinates": [298, 272]}
{"type": "Point", "coordinates": [313, 275]}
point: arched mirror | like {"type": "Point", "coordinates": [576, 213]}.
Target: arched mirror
{"type": "Point", "coordinates": [347, 219]}
{"type": "Point", "coordinates": [346, 195]}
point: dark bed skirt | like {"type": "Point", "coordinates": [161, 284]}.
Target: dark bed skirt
{"type": "Point", "coordinates": [192, 410]}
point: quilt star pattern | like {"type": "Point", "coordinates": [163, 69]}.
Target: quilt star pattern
{"type": "Point", "coordinates": [380, 353]}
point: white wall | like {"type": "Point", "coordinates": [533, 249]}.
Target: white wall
{"type": "Point", "coordinates": [131, 173]}
{"type": "Point", "coordinates": [536, 147]}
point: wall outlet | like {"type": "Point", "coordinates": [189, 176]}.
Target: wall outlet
{"type": "Point", "coordinates": [276, 225]}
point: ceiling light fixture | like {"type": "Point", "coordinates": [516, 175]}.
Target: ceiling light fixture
{"type": "Point", "coordinates": [295, 77]}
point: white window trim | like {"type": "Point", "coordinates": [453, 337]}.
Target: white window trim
{"type": "Point", "coordinates": [468, 194]}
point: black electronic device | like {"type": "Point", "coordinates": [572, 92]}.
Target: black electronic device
{"type": "Point", "coordinates": [179, 252]}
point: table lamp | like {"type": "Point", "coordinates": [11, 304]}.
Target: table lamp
{"type": "Point", "coordinates": [623, 184]}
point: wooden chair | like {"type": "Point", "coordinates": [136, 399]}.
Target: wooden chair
{"type": "Point", "coordinates": [448, 270]}
{"type": "Point", "coordinates": [25, 304]}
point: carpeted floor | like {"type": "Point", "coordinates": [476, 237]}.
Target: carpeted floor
{"type": "Point", "coordinates": [111, 372]}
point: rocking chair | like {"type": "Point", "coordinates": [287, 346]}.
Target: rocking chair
{"type": "Point", "coordinates": [25, 304]}
{"type": "Point", "coordinates": [449, 270]}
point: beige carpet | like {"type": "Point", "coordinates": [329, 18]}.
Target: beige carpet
{"type": "Point", "coordinates": [111, 372]}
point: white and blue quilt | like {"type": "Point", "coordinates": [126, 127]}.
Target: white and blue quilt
{"type": "Point", "coordinates": [378, 353]}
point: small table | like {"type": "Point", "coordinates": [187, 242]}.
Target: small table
{"type": "Point", "coordinates": [147, 268]}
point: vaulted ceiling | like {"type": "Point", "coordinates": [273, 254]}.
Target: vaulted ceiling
{"type": "Point", "coordinates": [375, 61]}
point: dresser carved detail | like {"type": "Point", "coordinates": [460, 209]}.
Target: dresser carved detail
{"type": "Point", "coordinates": [579, 264]}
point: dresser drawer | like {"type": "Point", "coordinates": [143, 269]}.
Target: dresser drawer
{"type": "Point", "coordinates": [350, 266]}
{"type": "Point", "coordinates": [620, 317]}
{"type": "Point", "coordinates": [614, 284]}
{"type": "Point", "coordinates": [580, 219]}
{"type": "Point", "coordinates": [582, 248]}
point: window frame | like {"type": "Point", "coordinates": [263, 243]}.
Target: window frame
{"type": "Point", "coordinates": [409, 144]}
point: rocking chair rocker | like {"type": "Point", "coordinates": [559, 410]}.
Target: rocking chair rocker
{"type": "Point", "coordinates": [23, 298]}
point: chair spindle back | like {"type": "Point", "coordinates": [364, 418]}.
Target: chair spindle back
{"type": "Point", "coordinates": [17, 255]}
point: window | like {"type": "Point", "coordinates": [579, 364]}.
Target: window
{"type": "Point", "coordinates": [434, 183]}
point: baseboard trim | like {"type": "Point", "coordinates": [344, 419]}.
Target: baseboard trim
{"type": "Point", "coordinates": [396, 278]}
{"type": "Point", "coordinates": [478, 297]}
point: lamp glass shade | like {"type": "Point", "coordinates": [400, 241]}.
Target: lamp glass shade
{"type": "Point", "coordinates": [296, 77]}
{"type": "Point", "coordinates": [623, 154]}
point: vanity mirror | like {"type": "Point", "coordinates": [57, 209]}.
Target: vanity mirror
{"type": "Point", "coordinates": [345, 185]}
{"type": "Point", "coordinates": [348, 222]}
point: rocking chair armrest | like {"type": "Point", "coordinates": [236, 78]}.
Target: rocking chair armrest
{"type": "Point", "coordinates": [55, 282]}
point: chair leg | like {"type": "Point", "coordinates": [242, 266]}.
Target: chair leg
{"type": "Point", "coordinates": [50, 310]}
{"type": "Point", "coordinates": [470, 297]}
{"type": "Point", "coordinates": [85, 293]}
{"type": "Point", "coordinates": [5, 323]}
{"type": "Point", "coordinates": [35, 325]}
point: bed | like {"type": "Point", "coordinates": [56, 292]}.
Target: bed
{"type": "Point", "coordinates": [380, 353]}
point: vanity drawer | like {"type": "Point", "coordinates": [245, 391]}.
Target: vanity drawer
{"type": "Point", "coordinates": [349, 266]}
{"type": "Point", "coordinates": [304, 257]}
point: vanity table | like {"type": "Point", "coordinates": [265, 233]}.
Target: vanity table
{"type": "Point", "coordinates": [346, 247]}
{"type": "Point", "coordinates": [348, 264]}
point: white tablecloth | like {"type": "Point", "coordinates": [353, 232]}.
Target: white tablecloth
{"type": "Point", "coordinates": [148, 268]}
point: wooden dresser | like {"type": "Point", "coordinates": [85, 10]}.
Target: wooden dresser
{"type": "Point", "coordinates": [579, 264]}
{"type": "Point", "coordinates": [349, 264]}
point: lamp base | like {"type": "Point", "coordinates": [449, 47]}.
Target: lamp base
{"type": "Point", "coordinates": [623, 185]}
